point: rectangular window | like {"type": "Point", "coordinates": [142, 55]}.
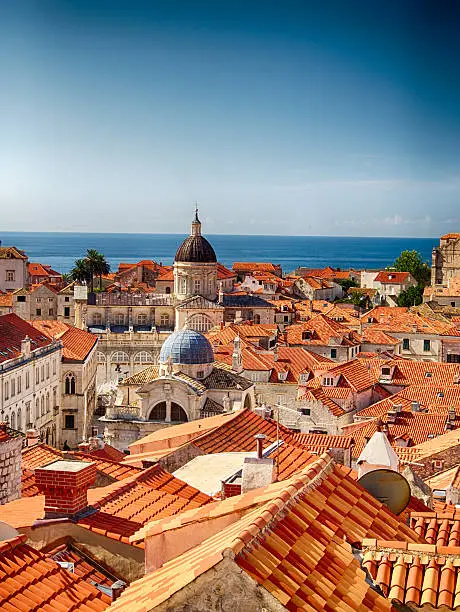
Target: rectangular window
{"type": "Point", "coordinates": [37, 375]}
{"type": "Point", "coordinates": [10, 275]}
{"type": "Point", "coordinates": [66, 312]}
{"type": "Point", "coordinates": [21, 298]}
{"type": "Point", "coordinates": [43, 373]}
{"type": "Point", "coordinates": [54, 367]}
{"type": "Point", "coordinates": [38, 300]}
{"type": "Point", "coordinates": [27, 379]}
{"type": "Point", "coordinates": [69, 421]}
{"type": "Point", "coordinates": [7, 390]}
{"type": "Point", "coordinates": [196, 286]}
{"type": "Point", "coordinates": [13, 387]}
{"type": "Point", "coordinates": [19, 383]}
{"type": "Point", "coordinates": [333, 353]}
{"type": "Point", "coordinates": [405, 344]}
{"type": "Point", "coordinates": [452, 358]}
{"type": "Point", "coordinates": [47, 370]}
{"type": "Point", "coordinates": [66, 299]}
{"type": "Point", "coordinates": [427, 345]}
{"type": "Point", "coordinates": [38, 312]}
{"type": "Point", "coordinates": [50, 312]}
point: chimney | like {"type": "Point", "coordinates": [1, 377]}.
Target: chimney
{"type": "Point", "coordinates": [25, 346]}
{"type": "Point", "coordinates": [93, 443]}
{"type": "Point", "coordinates": [65, 486]}
{"type": "Point", "coordinates": [260, 444]}
{"type": "Point", "coordinates": [275, 354]}
{"type": "Point", "coordinates": [377, 454]}
{"type": "Point", "coordinates": [84, 447]}
{"type": "Point", "coordinates": [237, 356]}
{"type": "Point", "coordinates": [117, 589]}
{"type": "Point", "coordinates": [32, 437]}
{"type": "Point", "coordinates": [257, 471]}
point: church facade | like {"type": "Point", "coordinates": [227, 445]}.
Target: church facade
{"type": "Point", "coordinates": [133, 325]}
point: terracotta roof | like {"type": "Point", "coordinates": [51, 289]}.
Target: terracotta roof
{"type": "Point", "coordinates": [11, 253]}
{"type": "Point", "coordinates": [415, 574]}
{"type": "Point", "coordinates": [323, 440]}
{"type": "Point", "coordinates": [6, 299]}
{"type": "Point", "coordinates": [394, 278]}
{"type": "Point", "coordinates": [418, 427]}
{"type": "Point", "coordinates": [237, 434]}
{"type": "Point", "coordinates": [78, 343]}
{"type": "Point", "coordinates": [297, 545]}
{"type": "Point", "coordinates": [322, 331]}
{"type": "Point", "coordinates": [431, 447]}
{"type": "Point", "coordinates": [13, 330]}
{"type": "Point", "coordinates": [352, 374]}
{"type": "Point", "coordinates": [371, 335]}
{"type": "Point", "coordinates": [125, 507]}
{"type": "Point", "coordinates": [243, 266]}
{"type": "Point", "coordinates": [430, 399]}
{"type": "Point", "coordinates": [397, 320]}
{"type": "Point", "coordinates": [452, 235]}
{"type": "Point", "coordinates": [176, 435]}
{"type": "Point", "coordinates": [83, 566]}
{"type": "Point", "coordinates": [30, 581]}
{"type": "Point", "coordinates": [223, 272]}
{"type": "Point", "coordinates": [39, 455]}
{"type": "Point", "coordinates": [445, 480]}
{"type": "Point", "coordinates": [108, 453]}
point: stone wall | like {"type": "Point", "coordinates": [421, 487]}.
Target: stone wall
{"type": "Point", "coordinates": [10, 468]}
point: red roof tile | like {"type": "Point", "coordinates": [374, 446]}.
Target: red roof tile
{"type": "Point", "coordinates": [30, 581]}
{"type": "Point", "coordinates": [13, 330]}
{"type": "Point", "coordinates": [78, 343]}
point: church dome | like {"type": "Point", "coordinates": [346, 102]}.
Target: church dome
{"type": "Point", "coordinates": [187, 347]}
{"type": "Point", "coordinates": [195, 248]}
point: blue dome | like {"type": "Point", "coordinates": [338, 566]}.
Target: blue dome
{"type": "Point", "coordinates": [187, 346]}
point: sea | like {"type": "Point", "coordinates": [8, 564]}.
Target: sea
{"type": "Point", "coordinates": [60, 250]}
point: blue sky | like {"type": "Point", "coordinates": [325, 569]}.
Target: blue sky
{"type": "Point", "coordinates": [321, 118]}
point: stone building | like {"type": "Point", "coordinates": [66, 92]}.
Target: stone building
{"type": "Point", "coordinates": [185, 386]}
{"type": "Point", "coordinates": [10, 466]}
{"type": "Point", "coordinates": [30, 371]}
{"type": "Point", "coordinates": [13, 269]}
{"type": "Point", "coordinates": [445, 259]}
{"type": "Point", "coordinates": [78, 381]}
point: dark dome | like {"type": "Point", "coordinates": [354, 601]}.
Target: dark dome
{"type": "Point", "coordinates": [196, 249]}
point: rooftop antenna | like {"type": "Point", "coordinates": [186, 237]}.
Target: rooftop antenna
{"type": "Point", "coordinates": [196, 211]}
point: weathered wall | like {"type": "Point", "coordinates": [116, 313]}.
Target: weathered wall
{"type": "Point", "coordinates": [10, 470]}
{"type": "Point", "coordinates": [224, 588]}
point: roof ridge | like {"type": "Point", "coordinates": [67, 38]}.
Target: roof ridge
{"type": "Point", "coordinates": [308, 479]}
{"type": "Point", "coordinates": [11, 543]}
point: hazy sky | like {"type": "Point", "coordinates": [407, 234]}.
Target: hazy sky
{"type": "Point", "coordinates": [329, 117]}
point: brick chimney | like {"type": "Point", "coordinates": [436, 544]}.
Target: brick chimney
{"type": "Point", "coordinates": [65, 486]}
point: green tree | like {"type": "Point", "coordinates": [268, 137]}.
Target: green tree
{"type": "Point", "coordinates": [411, 297]}
{"type": "Point", "coordinates": [359, 298]}
{"type": "Point", "coordinates": [80, 271]}
{"type": "Point", "coordinates": [412, 261]}
{"type": "Point", "coordinates": [346, 283]}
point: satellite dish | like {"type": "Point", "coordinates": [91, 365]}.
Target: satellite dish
{"type": "Point", "coordinates": [389, 487]}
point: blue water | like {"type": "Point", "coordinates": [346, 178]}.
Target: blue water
{"type": "Point", "coordinates": [61, 249]}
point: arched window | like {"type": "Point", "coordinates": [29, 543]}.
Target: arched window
{"type": "Point", "coordinates": [143, 357]}
{"type": "Point", "coordinates": [120, 357]}
{"type": "Point", "coordinates": [47, 402]}
{"type": "Point", "coordinates": [158, 412]}
{"type": "Point", "coordinates": [100, 357]}
{"type": "Point", "coordinates": [37, 408]}
{"type": "Point", "coordinates": [7, 390]}
{"type": "Point", "coordinates": [199, 323]}
{"type": "Point", "coordinates": [19, 423]}
{"type": "Point", "coordinates": [97, 318]}
{"type": "Point", "coordinates": [42, 405]}
{"type": "Point", "coordinates": [257, 319]}
{"type": "Point", "coordinates": [13, 421]}
{"type": "Point", "coordinates": [164, 319]}
{"type": "Point", "coordinates": [178, 414]}
{"type": "Point", "coordinates": [119, 319]}
{"type": "Point", "coordinates": [70, 384]}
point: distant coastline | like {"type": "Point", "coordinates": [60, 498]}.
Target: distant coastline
{"type": "Point", "coordinates": [60, 249]}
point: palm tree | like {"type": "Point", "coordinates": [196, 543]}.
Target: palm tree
{"type": "Point", "coordinates": [80, 272]}
{"type": "Point", "coordinates": [102, 267]}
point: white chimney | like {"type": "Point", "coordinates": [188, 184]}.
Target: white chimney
{"type": "Point", "coordinates": [32, 437]}
{"type": "Point", "coordinates": [377, 454]}
{"type": "Point", "coordinates": [257, 471]}
{"type": "Point", "coordinates": [237, 356]}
